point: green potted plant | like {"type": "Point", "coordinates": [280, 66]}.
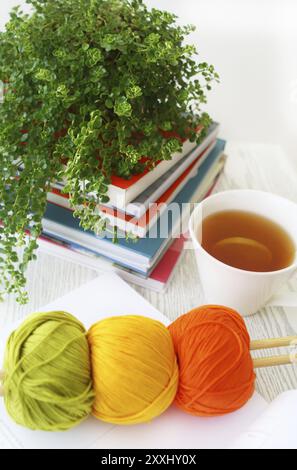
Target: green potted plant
{"type": "Point", "coordinates": [89, 86]}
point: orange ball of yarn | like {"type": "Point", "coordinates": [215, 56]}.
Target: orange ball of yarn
{"type": "Point", "coordinates": [216, 369]}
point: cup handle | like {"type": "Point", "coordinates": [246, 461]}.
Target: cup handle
{"type": "Point", "coordinates": [286, 299]}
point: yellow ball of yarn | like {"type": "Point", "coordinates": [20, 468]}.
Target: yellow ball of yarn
{"type": "Point", "coordinates": [135, 373]}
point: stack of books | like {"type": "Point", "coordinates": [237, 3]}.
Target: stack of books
{"type": "Point", "coordinates": [153, 206]}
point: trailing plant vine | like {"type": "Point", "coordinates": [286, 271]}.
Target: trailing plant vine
{"type": "Point", "coordinates": [89, 87]}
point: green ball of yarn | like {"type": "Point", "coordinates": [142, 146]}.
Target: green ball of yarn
{"type": "Point", "coordinates": [47, 384]}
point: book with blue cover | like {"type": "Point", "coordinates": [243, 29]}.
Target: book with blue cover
{"type": "Point", "coordinates": [142, 254]}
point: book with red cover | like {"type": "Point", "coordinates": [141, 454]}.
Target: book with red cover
{"type": "Point", "coordinates": [124, 193]}
{"type": "Point", "coordinates": [139, 226]}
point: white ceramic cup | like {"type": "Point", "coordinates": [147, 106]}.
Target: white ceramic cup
{"type": "Point", "coordinates": [245, 291]}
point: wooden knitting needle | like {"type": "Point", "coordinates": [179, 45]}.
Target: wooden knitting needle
{"type": "Point", "coordinates": [274, 343]}
{"type": "Point", "coordinates": [275, 360]}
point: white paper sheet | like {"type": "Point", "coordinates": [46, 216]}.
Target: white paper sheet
{"type": "Point", "coordinates": [108, 295]}
{"type": "Point", "coordinates": [275, 428]}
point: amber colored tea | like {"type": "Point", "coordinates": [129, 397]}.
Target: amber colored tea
{"type": "Point", "coordinates": [247, 241]}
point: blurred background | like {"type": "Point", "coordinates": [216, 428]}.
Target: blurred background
{"type": "Point", "coordinates": [253, 45]}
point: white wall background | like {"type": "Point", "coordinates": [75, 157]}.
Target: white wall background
{"type": "Point", "coordinates": [253, 44]}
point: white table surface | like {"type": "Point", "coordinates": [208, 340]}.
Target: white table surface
{"type": "Point", "coordinates": [257, 166]}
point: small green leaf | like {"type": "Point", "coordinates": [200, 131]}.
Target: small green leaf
{"type": "Point", "coordinates": [122, 107]}
{"type": "Point", "coordinates": [44, 75]}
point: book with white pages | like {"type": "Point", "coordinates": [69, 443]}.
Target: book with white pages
{"type": "Point", "coordinates": [134, 195]}
{"type": "Point", "coordinates": [173, 429]}
{"type": "Point", "coordinates": [140, 225]}
{"type": "Point", "coordinates": [140, 204]}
